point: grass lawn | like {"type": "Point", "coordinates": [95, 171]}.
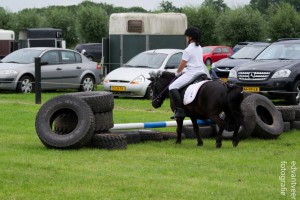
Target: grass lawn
{"type": "Point", "coordinates": [144, 171]}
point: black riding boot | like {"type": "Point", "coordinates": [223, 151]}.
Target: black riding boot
{"type": "Point", "coordinates": [175, 95]}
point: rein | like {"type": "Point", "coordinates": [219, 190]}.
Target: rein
{"type": "Point", "coordinates": [164, 90]}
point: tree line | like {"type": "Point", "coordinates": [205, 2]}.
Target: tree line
{"type": "Point", "coordinates": [261, 20]}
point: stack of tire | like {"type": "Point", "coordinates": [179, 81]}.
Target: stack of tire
{"type": "Point", "coordinates": [290, 116]}
{"type": "Point", "coordinates": [73, 120]}
{"type": "Point", "coordinates": [262, 119]}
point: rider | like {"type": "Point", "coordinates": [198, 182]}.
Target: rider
{"type": "Point", "coordinates": [192, 59]}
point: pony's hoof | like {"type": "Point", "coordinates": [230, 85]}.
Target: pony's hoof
{"type": "Point", "coordinates": [178, 142]}
{"type": "Point", "coordinates": [200, 144]}
{"type": "Point", "coordinates": [235, 143]}
{"type": "Point", "coordinates": [218, 145]}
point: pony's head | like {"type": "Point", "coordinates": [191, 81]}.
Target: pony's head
{"type": "Point", "coordinates": [160, 83]}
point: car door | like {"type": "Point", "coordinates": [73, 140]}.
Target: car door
{"type": "Point", "coordinates": [225, 52]}
{"type": "Point", "coordinates": [173, 62]}
{"type": "Point", "coordinates": [50, 72]}
{"type": "Point", "coordinates": [71, 68]}
{"type": "Point", "coordinates": [217, 54]}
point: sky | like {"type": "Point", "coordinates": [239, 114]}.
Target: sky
{"type": "Point", "coordinates": [17, 5]}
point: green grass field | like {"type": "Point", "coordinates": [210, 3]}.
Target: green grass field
{"type": "Point", "coordinates": [150, 170]}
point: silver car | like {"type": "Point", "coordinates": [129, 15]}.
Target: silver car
{"type": "Point", "coordinates": [130, 80]}
{"type": "Point", "coordinates": [62, 69]}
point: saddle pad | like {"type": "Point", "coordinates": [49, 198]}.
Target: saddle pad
{"type": "Point", "coordinates": [192, 91]}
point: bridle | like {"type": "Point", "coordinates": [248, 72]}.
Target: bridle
{"type": "Point", "coordinates": [163, 91]}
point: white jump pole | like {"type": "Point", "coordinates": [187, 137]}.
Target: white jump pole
{"type": "Point", "coordinates": [157, 124]}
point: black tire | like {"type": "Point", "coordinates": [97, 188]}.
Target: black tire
{"type": "Point", "coordinates": [109, 141]}
{"type": "Point", "coordinates": [99, 101]}
{"type": "Point", "coordinates": [295, 125]}
{"type": "Point", "coordinates": [294, 98]}
{"type": "Point", "coordinates": [131, 137]}
{"type": "Point", "coordinates": [171, 135]}
{"type": "Point", "coordinates": [286, 126]}
{"type": "Point", "coordinates": [268, 120]}
{"type": "Point", "coordinates": [297, 112]}
{"type": "Point", "coordinates": [287, 112]}
{"type": "Point", "coordinates": [87, 83]}
{"type": "Point", "coordinates": [149, 135]}
{"type": "Point", "coordinates": [52, 109]}
{"type": "Point", "coordinates": [204, 131]}
{"type": "Point", "coordinates": [149, 93]}
{"type": "Point", "coordinates": [208, 62]}
{"type": "Point", "coordinates": [65, 123]}
{"type": "Point", "coordinates": [104, 121]}
{"type": "Point", "coordinates": [25, 84]}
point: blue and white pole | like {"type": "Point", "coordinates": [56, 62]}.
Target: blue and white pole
{"type": "Point", "coordinates": [157, 124]}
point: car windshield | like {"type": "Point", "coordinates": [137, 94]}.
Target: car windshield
{"type": "Point", "coordinates": [281, 52]}
{"type": "Point", "coordinates": [248, 52]}
{"type": "Point", "coordinates": [207, 49]}
{"type": "Point", "coordinates": [22, 56]}
{"type": "Point", "coordinates": [147, 60]}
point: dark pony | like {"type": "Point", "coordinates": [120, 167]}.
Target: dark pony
{"type": "Point", "coordinates": [213, 98]}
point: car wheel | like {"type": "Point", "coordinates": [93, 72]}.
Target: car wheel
{"type": "Point", "coordinates": [294, 99]}
{"type": "Point", "coordinates": [25, 84]}
{"type": "Point", "coordinates": [149, 93]}
{"type": "Point", "coordinates": [87, 83]}
{"type": "Point", "coordinates": [208, 62]}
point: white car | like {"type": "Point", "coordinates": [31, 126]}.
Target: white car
{"type": "Point", "coordinates": [131, 79]}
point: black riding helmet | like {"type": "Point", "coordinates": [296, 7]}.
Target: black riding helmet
{"type": "Point", "coordinates": [194, 33]}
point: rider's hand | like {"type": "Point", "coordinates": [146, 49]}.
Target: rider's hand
{"type": "Point", "coordinates": [177, 74]}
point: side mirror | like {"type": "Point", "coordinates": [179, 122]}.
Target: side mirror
{"type": "Point", "coordinates": [44, 63]}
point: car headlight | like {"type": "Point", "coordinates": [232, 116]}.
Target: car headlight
{"type": "Point", "coordinates": [106, 81]}
{"type": "Point", "coordinates": [8, 72]}
{"type": "Point", "coordinates": [138, 80]}
{"type": "Point", "coordinates": [213, 65]}
{"type": "Point", "coordinates": [232, 74]}
{"type": "Point", "coordinates": [284, 73]}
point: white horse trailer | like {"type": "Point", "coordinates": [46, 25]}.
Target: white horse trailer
{"type": "Point", "coordinates": [7, 41]}
{"type": "Point", "coordinates": [132, 33]}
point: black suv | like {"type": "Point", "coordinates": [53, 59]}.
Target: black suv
{"type": "Point", "coordinates": [93, 51]}
{"type": "Point", "coordinates": [275, 72]}
{"type": "Point", "coordinates": [221, 68]}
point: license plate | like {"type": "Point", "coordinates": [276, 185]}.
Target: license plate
{"type": "Point", "coordinates": [224, 79]}
{"type": "Point", "coordinates": [251, 89]}
{"type": "Point", "coordinates": [118, 88]}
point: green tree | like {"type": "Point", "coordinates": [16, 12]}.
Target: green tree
{"type": "Point", "coordinates": [4, 18]}
{"type": "Point", "coordinates": [167, 6]}
{"type": "Point", "coordinates": [284, 21]}
{"type": "Point", "coordinates": [63, 18]}
{"type": "Point", "coordinates": [204, 18]}
{"type": "Point", "coordinates": [241, 24]}
{"type": "Point", "coordinates": [93, 23]}
{"type": "Point", "coordinates": [28, 18]}
{"type": "Point", "coordinates": [219, 5]}
{"type": "Point", "coordinates": [263, 5]}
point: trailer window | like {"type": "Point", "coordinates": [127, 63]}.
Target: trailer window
{"type": "Point", "coordinates": [135, 26]}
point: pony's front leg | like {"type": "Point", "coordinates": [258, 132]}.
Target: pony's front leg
{"type": "Point", "coordinates": [179, 122]}
{"type": "Point", "coordinates": [221, 126]}
{"type": "Point", "coordinates": [235, 137]}
{"type": "Point", "coordinates": [196, 131]}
